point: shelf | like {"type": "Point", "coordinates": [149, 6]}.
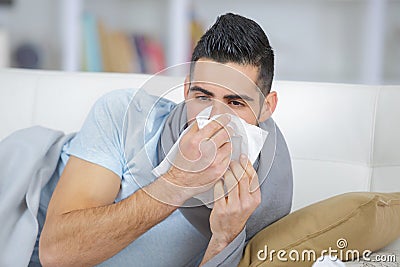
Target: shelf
{"type": "Point", "coordinates": [328, 41]}
{"type": "Point", "coordinates": [176, 36]}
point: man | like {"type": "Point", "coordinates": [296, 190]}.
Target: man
{"type": "Point", "coordinates": [107, 208]}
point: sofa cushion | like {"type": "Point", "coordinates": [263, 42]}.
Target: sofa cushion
{"type": "Point", "coordinates": [362, 221]}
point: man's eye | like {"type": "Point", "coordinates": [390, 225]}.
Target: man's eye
{"type": "Point", "coordinates": [236, 103]}
{"type": "Point", "coordinates": [202, 98]}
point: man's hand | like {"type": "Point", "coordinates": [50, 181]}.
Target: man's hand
{"type": "Point", "coordinates": [203, 157]}
{"type": "Point", "coordinates": [231, 213]}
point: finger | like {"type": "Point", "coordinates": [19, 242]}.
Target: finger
{"type": "Point", "coordinates": [219, 198]}
{"type": "Point", "coordinates": [237, 170]}
{"type": "Point", "coordinates": [224, 156]}
{"type": "Point", "coordinates": [222, 136]}
{"type": "Point", "coordinates": [242, 177]}
{"type": "Point", "coordinates": [215, 125]}
{"type": "Point", "coordinates": [194, 127]}
{"type": "Point", "coordinates": [222, 163]}
{"type": "Point", "coordinates": [254, 184]}
{"type": "Point", "coordinates": [252, 174]}
{"type": "Point", "coordinates": [225, 151]}
{"type": "Point", "coordinates": [232, 188]}
{"type": "Point", "coordinates": [254, 193]}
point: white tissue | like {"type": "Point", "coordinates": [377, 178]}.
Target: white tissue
{"type": "Point", "coordinates": [248, 139]}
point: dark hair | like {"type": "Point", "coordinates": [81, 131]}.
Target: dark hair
{"type": "Point", "coordinates": [240, 40]}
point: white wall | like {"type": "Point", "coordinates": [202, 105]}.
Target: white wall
{"type": "Point", "coordinates": [392, 44]}
{"type": "Point", "coordinates": [34, 21]}
{"type": "Point", "coordinates": [314, 40]}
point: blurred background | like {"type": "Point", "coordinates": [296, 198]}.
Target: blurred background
{"type": "Point", "coordinates": [347, 41]}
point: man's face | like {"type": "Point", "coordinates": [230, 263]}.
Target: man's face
{"type": "Point", "coordinates": [228, 88]}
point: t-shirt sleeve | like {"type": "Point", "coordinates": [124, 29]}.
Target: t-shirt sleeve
{"type": "Point", "coordinates": [99, 140]}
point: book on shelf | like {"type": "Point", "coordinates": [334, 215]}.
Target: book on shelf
{"type": "Point", "coordinates": [138, 44]}
{"type": "Point", "coordinates": [92, 50]}
{"type": "Point", "coordinates": [155, 56]}
{"type": "Point", "coordinates": [150, 53]}
{"type": "Point", "coordinates": [117, 51]}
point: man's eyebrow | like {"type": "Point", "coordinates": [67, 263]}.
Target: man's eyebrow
{"type": "Point", "coordinates": [202, 90]}
{"type": "Point", "coordinates": [229, 97]}
{"type": "Point", "coordinates": [244, 97]}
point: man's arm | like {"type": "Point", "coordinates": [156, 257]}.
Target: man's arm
{"type": "Point", "coordinates": [85, 227]}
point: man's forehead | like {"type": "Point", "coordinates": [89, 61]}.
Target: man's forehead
{"type": "Point", "coordinates": [234, 77]}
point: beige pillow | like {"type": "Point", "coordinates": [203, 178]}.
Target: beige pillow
{"type": "Point", "coordinates": [347, 223]}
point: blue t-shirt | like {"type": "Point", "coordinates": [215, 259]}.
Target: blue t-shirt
{"type": "Point", "coordinates": [121, 133]}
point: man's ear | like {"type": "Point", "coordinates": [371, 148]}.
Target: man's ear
{"type": "Point", "coordinates": [269, 106]}
{"type": "Point", "coordinates": [186, 87]}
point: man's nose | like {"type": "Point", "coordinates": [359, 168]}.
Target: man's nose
{"type": "Point", "coordinates": [219, 107]}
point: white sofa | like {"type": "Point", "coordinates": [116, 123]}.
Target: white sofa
{"type": "Point", "coordinates": [341, 137]}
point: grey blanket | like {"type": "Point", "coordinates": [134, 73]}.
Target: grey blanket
{"type": "Point", "coordinates": [28, 159]}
